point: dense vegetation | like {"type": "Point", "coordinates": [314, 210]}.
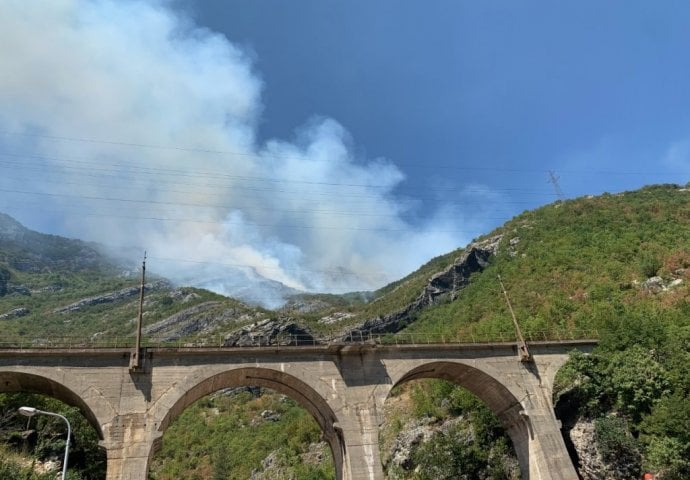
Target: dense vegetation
{"type": "Point", "coordinates": [636, 389]}
{"type": "Point", "coordinates": [613, 266]}
{"type": "Point", "coordinates": [42, 438]}
{"type": "Point", "coordinates": [242, 433]}
{"type": "Point", "coordinates": [578, 267]}
{"type": "Point", "coordinates": [465, 439]}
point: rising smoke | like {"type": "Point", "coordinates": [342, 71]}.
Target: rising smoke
{"type": "Point", "coordinates": [124, 123]}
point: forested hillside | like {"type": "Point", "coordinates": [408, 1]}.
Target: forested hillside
{"type": "Point", "coordinates": [615, 266]}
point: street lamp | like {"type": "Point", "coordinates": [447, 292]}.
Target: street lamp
{"type": "Point", "coordinates": [31, 411]}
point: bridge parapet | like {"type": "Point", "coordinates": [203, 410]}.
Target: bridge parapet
{"type": "Point", "coordinates": [296, 340]}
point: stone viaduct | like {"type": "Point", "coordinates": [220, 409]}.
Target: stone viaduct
{"type": "Point", "coordinates": [344, 387]}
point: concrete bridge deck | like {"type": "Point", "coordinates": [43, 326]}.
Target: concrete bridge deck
{"type": "Point", "coordinates": [343, 386]}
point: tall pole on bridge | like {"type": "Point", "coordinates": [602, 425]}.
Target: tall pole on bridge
{"type": "Point", "coordinates": [522, 345]}
{"type": "Point", "coordinates": [135, 358]}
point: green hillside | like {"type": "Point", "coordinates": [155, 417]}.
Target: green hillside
{"type": "Point", "coordinates": [615, 266]}
{"type": "Point", "coordinates": [58, 290]}
{"type": "Point", "coordinates": [570, 268]}
{"type": "Point", "coordinates": [577, 267]}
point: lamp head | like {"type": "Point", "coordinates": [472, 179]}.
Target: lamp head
{"type": "Point", "coordinates": [28, 411]}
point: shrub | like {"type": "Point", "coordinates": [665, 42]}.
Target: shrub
{"type": "Point", "coordinates": [650, 265]}
{"type": "Point", "coordinates": [616, 444]}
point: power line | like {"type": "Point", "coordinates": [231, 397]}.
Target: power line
{"type": "Point", "coordinates": [108, 216]}
{"type": "Point", "coordinates": [302, 196]}
{"type": "Point", "coordinates": [216, 175]}
{"type": "Point", "coordinates": [264, 154]}
{"type": "Point", "coordinates": [208, 205]}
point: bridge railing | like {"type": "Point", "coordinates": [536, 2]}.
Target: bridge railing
{"type": "Point", "coordinates": [289, 340]}
{"type": "Point", "coordinates": [403, 338]}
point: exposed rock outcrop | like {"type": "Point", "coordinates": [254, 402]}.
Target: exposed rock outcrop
{"type": "Point", "coordinates": [111, 297]}
{"type": "Point", "coordinates": [400, 453]}
{"type": "Point", "coordinates": [399, 459]}
{"type": "Point", "coordinates": [657, 284]}
{"type": "Point", "coordinates": [189, 321]}
{"type": "Point", "coordinates": [335, 318]}
{"type": "Point", "coordinates": [7, 288]}
{"type": "Point", "coordinates": [18, 290]}
{"type": "Point", "coordinates": [474, 259]}
{"type": "Point", "coordinates": [274, 465]}
{"type": "Point", "coordinates": [15, 313]}
{"type": "Point", "coordinates": [199, 319]}
{"type": "Point", "coordinates": [270, 332]}
{"type": "Point", "coordinates": [590, 462]}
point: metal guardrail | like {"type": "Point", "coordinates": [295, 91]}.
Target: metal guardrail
{"type": "Point", "coordinates": [355, 338]}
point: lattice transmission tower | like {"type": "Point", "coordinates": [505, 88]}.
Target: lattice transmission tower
{"type": "Point", "coordinates": [553, 180]}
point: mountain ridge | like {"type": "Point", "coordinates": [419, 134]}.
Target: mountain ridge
{"type": "Point", "coordinates": [533, 252]}
{"type": "Point", "coordinates": [615, 264]}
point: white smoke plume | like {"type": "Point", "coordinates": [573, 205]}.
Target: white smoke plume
{"type": "Point", "coordinates": [123, 122]}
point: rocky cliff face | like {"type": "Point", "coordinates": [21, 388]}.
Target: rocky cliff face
{"type": "Point", "coordinates": [196, 319]}
{"type": "Point", "coordinates": [400, 458]}
{"type": "Point", "coordinates": [283, 331]}
{"type": "Point", "coordinates": [447, 282]}
{"type": "Point", "coordinates": [270, 332]}
{"type": "Point", "coordinates": [590, 461]}
{"type": "Point", "coordinates": [111, 297]}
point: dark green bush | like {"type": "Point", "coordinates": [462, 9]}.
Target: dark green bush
{"type": "Point", "coordinates": [617, 445]}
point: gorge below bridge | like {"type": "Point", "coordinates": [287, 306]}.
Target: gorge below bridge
{"type": "Point", "coordinates": [343, 386]}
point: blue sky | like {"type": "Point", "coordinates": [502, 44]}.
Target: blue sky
{"type": "Point", "coordinates": [328, 145]}
{"type": "Point", "coordinates": [596, 91]}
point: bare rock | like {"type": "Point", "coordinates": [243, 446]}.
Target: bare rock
{"type": "Point", "coordinates": [111, 297]}
{"type": "Point", "coordinates": [18, 290]}
{"type": "Point", "coordinates": [15, 313]}
{"type": "Point", "coordinates": [316, 454]}
{"type": "Point", "coordinates": [270, 332]}
{"type": "Point", "coordinates": [199, 318]}
{"type": "Point", "coordinates": [591, 464]}
{"type": "Point", "coordinates": [657, 284]}
{"type": "Point", "coordinates": [474, 258]}
{"type": "Point", "coordinates": [410, 436]}
{"type": "Point", "coordinates": [653, 284]}
{"type": "Point", "coordinates": [336, 317]}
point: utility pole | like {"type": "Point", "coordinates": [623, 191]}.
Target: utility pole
{"type": "Point", "coordinates": [522, 345]}
{"type": "Point", "coordinates": [135, 363]}
{"type": "Point", "coordinates": [553, 180]}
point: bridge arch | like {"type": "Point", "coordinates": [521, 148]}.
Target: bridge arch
{"type": "Point", "coordinates": [501, 400]}
{"type": "Point", "coordinates": [273, 379]}
{"type": "Point", "coordinates": [13, 381]}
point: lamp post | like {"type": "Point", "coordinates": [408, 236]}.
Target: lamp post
{"type": "Point", "coordinates": [31, 411]}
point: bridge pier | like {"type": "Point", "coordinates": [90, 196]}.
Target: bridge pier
{"type": "Point", "coordinates": [128, 441]}
{"type": "Point", "coordinates": [361, 436]}
{"type": "Point", "coordinates": [532, 424]}
{"type": "Point", "coordinates": [548, 456]}
{"type": "Point", "coordinates": [366, 384]}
